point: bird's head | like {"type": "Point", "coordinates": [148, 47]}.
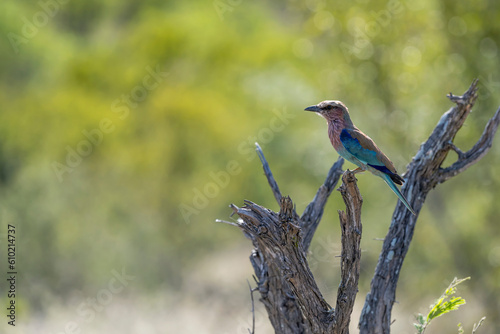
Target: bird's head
{"type": "Point", "coordinates": [331, 110]}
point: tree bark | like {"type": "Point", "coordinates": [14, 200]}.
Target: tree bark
{"type": "Point", "coordinates": [287, 287]}
{"type": "Point", "coordinates": [424, 173]}
{"type": "Point", "coordinates": [350, 223]}
{"type": "Point", "coordinates": [288, 290]}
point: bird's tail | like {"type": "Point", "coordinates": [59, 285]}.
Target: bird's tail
{"type": "Point", "coordinates": [391, 184]}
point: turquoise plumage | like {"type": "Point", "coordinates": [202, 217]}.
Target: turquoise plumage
{"type": "Point", "coordinates": [356, 147]}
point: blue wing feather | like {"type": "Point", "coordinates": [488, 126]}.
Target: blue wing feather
{"type": "Point", "coordinates": [353, 146]}
{"type": "Point", "coordinates": [383, 169]}
{"type": "Point", "coordinates": [369, 157]}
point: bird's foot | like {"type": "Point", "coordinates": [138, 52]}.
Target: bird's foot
{"type": "Point", "coordinates": [358, 170]}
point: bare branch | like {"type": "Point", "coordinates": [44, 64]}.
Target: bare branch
{"type": "Point", "coordinates": [476, 326]}
{"type": "Point", "coordinates": [350, 223]}
{"type": "Point", "coordinates": [458, 151]}
{"type": "Point", "coordinates": [467, 159]}
{"type": "Point", "coordinates": [424, 173]}
{"type": "Point", "coordinates": [225, 222]}
{"type": "Point", "coordinates": [314, 211]}
{"type": "Point", "coordinates": [270, 178]}
{"type": "Point", "coordinates": [253, 308]}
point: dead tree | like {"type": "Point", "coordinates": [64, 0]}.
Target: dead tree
{"type": "Point", "coordinates": [281, 239]}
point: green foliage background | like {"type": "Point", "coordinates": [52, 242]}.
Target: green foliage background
{"type": "Point", "coordinates": [233, 67]}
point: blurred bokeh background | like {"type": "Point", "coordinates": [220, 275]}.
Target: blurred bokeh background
{"type": "Point", "coordinates": [127, 128]}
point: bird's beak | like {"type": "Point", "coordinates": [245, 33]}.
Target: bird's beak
{"type": "Point", "coordinates": [313, 108]}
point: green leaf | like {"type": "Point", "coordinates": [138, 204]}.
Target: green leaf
{"type": "Point", "coordinates": [443, 307]}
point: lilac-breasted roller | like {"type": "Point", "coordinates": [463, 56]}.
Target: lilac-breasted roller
{"type": "Point", "coordinates": [356, 147]}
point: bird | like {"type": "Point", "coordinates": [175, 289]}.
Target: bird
{"type": "Point", "coordinates": [356, 147]}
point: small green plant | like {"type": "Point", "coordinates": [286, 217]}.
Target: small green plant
{"type": "Point", "coordinates": [446, 303]}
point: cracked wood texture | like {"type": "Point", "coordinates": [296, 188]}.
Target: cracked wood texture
{"type": "Point", "coordinates": [288, 290]}
{"type": "Point", "coordinates": [350, 224]}
{"type": "Point", "coordinates": [281, 240]}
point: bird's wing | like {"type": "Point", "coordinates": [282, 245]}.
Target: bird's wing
{"type": "Point", "coordinates": [365, 150]}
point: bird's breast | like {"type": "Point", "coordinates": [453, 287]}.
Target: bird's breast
{"type": "Point", "coordinates": [334, 129]}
